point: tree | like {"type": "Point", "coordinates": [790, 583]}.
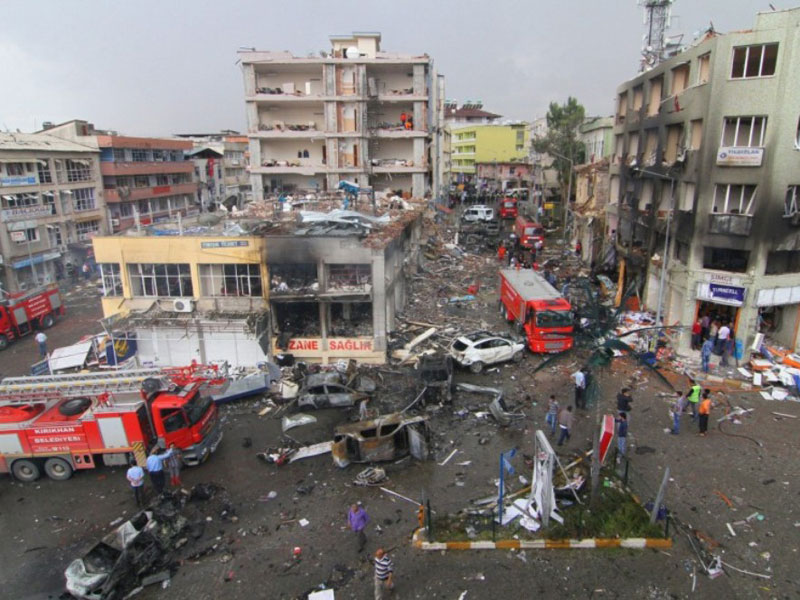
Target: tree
{"type": "Point", "coordinates": [563, 121]}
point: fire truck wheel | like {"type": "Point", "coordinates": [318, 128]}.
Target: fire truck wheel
{"type": "Point", "coordinates": [48, 321]}
{"type": "Point", "coordinates": [476, 367]}
{"type": "Point", "coordinates": [58, 469]}
{"type": "Point", "coordinates": [3, 341]}
{"type": "Point", "coordinates": [26, 470]}
{"type": "Point", "coordinates": [517, 357]}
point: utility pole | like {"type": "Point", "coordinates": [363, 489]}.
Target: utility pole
{"type": "Point", "coordinates": [569, 188]}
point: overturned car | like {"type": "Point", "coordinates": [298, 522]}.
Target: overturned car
{"type": "Point", "coordinates": [387, 437]}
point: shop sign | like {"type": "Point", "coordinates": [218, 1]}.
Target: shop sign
{"type": "Point", "coordinates": [350, 345]}
{"type": "Point", "coordinates": [721, 294]}
{"type": "Point", "coordinates": [25, 212]}
{"type": "Point", "coordinates": [225, 244]}
{"type": "Point", "coordinates": [723, 279]}
{"type": "Point", "coordinates": [730, 156]}
{"type": "Point", "coordinates": [18, 180]}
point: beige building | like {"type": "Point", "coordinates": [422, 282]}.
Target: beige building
{"type": "Point", "coordinates": [52, 205]}
{"type": "Point", "coordinates": [706, 154]}
{"type": "Point", "coordinates": [355, 113]}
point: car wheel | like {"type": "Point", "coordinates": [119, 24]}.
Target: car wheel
{"type": "Point", "coordinates": [517, 358]}
{"type": "Point", "coordinates": [48, 321]}
{"type": "Point", "coordinates": [26, 470]}
{"type": "Point", "coordinates": [476, 367]}
{"type": "Point", "coordinates": [58, 469]}
{"type": "Point", "coordinates": [3, 341]}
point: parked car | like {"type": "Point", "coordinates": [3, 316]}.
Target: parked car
{"type": "Point", "coordinates": [329, 390]}
{"type": "Point", "coordinates": [480, 348]}
{"type": "Point", "coordinates": [478, 213]}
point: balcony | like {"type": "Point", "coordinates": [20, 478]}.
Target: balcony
{"type": "Point", "coordinates": [730, 224]}
{"type": "Point", "coordinates": [126, 194]}
{"type": "Point", "coordinates": [287, 167]}
{"type": "Point", "coordinates": [145, 168]}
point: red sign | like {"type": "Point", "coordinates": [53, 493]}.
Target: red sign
{"type": "Point", "coordinates": [161, 189]}
{"type": "Point", "coordinates": [298, 344]}
{"type": "Point", "coordinates": [606, 436]}
{"type": "Point", "coordinates": [351, 344]}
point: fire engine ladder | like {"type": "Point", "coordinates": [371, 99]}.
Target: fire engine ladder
{"type": "Point", "coordinates": [33, 388]}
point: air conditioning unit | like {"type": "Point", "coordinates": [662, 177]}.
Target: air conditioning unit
{"type": "Point", "coordinates": [183, 305]}
{"type": "Point", "coordinates": [115, 222]}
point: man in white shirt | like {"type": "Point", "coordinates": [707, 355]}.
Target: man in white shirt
{"type": "Point", "coordinates": [580, 387]}
{"type": "Point", "coordinates": [41, 339]}
{"type": "Point", "coordinates": [135, 477]}
{"type": "Point", "coordinates": [722, 337]}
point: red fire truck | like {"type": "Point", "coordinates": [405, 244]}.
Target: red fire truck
{"type": "Point", "coordinates": [22, 313]}
{"type": "Point", "coordinates": [61, 423]}
{"type": "Point", "coordinates": [508, 208]}
{"type": "Point", "coordinates": [529, 233]}
{"type": "Point", "coordinates": [539, 311]}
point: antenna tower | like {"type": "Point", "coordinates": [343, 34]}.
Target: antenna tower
{"type": "Point", "coordinates": [657, 16]}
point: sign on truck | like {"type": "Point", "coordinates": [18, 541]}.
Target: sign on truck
{"type": "Point", "coordinates": [542, 314]}
{"type": "Point", "coordinates": [61, 423]}
{"type": "Point", "coordinates": [25, 312]}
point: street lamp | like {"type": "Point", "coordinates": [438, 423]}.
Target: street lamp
{"type": "Point", "coordinates": [666, 239]}
{"type": "Point", "coordinates": [569, 188]}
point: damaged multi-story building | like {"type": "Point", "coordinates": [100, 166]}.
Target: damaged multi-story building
{"type": "Point", "coordinates": [355, 113]}
{"type": "Point", "coordinates": [706, 164]}
{"type": "Point", "coordinates": [320, 285]}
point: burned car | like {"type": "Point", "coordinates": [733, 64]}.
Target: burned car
{"type": "Point", "coordinates": [331, 390]}
{"type": "Point", "coordinates": [480, 348]}
{"type": "Point", "coordinates": [387, 437]}
{"type": "Point", "coordinates": [435, 378]}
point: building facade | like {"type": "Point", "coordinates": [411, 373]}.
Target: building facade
{"type": "Point", "coordinates": [597, 135]}
{"type": "Point", "coordinates": [487, 144]}
{"type": "Point", "coordinates": [355, 114]}
{"type": "Point", "coordinates": [499, 176]}
{"type": "Point", "coordinates": [706, 166]}
{"type": "Point", "coordinates": [145, 180]}
{"type": "Point", "coordinates": [52, 205]}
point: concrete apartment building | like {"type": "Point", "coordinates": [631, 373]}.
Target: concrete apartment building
{"type": "Point", "coordinates": [707, 149]}
{"type": "Point", "coordinates": [221, 166]}
{"type": "Point", "coordinates": [307, 289]}
{"type": "Point", "coordinates": [355, 113]}
{"type": "Point", "coordinates": [475, 144]}
{"type": "Point", "coordinates": [144, 179]}
{"type": "Point", "coordinates": [52, 205]}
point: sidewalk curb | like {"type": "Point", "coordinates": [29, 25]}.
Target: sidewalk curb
{"type": "Point", "coordinates": [418, 542]}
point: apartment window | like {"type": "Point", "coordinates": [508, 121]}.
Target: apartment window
{"type": "Point", "coordinates": [28, 235]}
{"type": "Point", "coordinates": [744, 131]}
{"type": "Point", "coordinates": [791, 205]}
{"type": "Point", "coordinates": [686, 201]}
{"type": "Point", "coordinates": [119, 155]}
{"type": "Point", "coordinates": [673, 149]}
{"type": "Point", "coordinates": [230, 280]}
{"type": "Point", "coordinates": [703, 68]}
{"type": "Point", "coordinates": [651, 146]}
{"type": "Point", "coordinates": [520, 147]}
{"type": "Point", "coordinates": [112, 279]}
{"type": "Point", "coordinates": [43, 167]}
{"type": "Point", "coordinates": [143, 207]}
{"type": "Point", "coordinates": [20, 200]}
{"type": "Point", "coordinates": [656, 85]}
{"type": "Point", "coordinates": [139, 155]}
{"type": "Point", "coordinates": [158, 155]}
{"type": "Point", "coordinates": [638, 97]}
{"type": "Point", "coordinates": [782, 261]}
{"type": "Point", "coordinates": [160, 280]}
{"type": "Point", "coordinates": [162, 180]}
{"type": "Point", "coordinates": [633, 144]}
{"type": "Point", "coordinates": [622, 106]}
{"type": "Point", "coordinates": [141, 181]}
{"type": "Point", "coordinates": [734, 199]}
{"type": "Point", "coordinates": [682, 252]}
{"type": "Point", "coordinates": [87, 229]}
{"type": "Point", "coordinates": [754, 61]}
{"type": "Point", "coordinates": [83, 199]}
{"type": "Point", "coordinates": [16, 169]}
{"type": "Point", "coordinates": [696, 134]}
{"type": "Point", "coordinates": [680, 78]}
{"type": "Point", "coordinates": [725, 259]}
{"type": "Point", "coordinates": [78, 170]}
{"type": "Point", "coordinates": [520, 137]}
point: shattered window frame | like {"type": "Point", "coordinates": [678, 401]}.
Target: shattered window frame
{"type": "Point", "coordinates": [165, 280]}
{"type": "Point", "coordinates": [230, 279]}
{"type": "Point", "coordinates": [111, 274]}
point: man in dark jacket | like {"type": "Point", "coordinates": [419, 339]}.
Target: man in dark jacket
{"type": "Point", "coordinates": [624, 402]}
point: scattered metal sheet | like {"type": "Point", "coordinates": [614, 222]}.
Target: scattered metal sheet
{"type": "Point", "coordinates": [290, 422]}
{"type": "Point", "coordinates": [312, 450]}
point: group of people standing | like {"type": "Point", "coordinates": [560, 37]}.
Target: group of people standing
{"type": "Point", "coordinates": [357, 519]}
{"type": "Point", "coordinates": [159, 464]}
{"type": "Point", "coordinates": [698, 400]}
{"type": "Point", "coordinates": [713, 336]}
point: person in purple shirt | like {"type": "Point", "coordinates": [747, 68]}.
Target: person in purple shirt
{"type": "Point", "coordinates": [357, 519]}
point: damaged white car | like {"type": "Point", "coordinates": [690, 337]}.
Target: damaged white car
{"type": "Point", "coordinates": [480, 348]}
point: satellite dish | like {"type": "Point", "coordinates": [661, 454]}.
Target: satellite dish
{"type": "Point", "coordinates": [352, 52]}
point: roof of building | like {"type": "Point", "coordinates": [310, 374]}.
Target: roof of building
{"type": "Point", "coordinates": [205, 152]}
{"type": "Point", "coordinates": [468, 113]}
{"type": "Point", "coordinates": [39, 142]}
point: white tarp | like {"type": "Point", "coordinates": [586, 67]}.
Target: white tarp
{"type": "Point", "coordinates": [70, 357]}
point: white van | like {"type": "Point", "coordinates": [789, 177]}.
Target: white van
{"type": "Point", "coordinates": [478, 213]}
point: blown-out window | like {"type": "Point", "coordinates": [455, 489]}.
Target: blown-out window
{"type": "Point", "coordinates": [230, 280]}
{"type": "Point", "coordinates": [754, 61]}
{"type": "Point", "coordinates": [734, 199]}
{"type": "Point", "coordinates": [112, 279]}
{"type": "Point", "coordinates": [160, 280]}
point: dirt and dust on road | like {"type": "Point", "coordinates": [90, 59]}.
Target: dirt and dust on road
{"type": "Point", "coordinates": [732, 494]}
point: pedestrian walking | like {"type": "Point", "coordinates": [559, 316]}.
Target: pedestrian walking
{"type": "Point", "coordinates": [694, 398]}
{"type": "Point", "coordinates": [173, 464]}
{"type": "Point", "coordinates": [704, 411]}
{"type": "Point", "coordinates": [705, 354]}
{"type": "Point", "coordinates": [135, 477]}
{"type": "Point", "coordinates": [357, 519]}
{"type": "Point", "coordinates": [697, 332]}
{"type": "Point", "coordinates": [384, 574]}
{"type": "Point", "coordinates": [624, 400]}
{"type": "Point", "coordinates": [565, 418]}
{"type": "Point", "coordinates": [622, 434]}
{"type": "Point", "coordinates": [675, 410]}
{"type": "Point", "coordinates": [155, 467]}
{"type": "Point", "coordinates": [87, 271]}
{"type": "Point", "coordinates": [552, 414]}
{"type": "Point", "coordinates": [579, 377]}
{"type": "Point", "coordinates": [41, 339]}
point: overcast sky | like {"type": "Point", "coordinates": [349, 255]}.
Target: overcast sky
{"type": "Point", "coordinates": [157, 67]}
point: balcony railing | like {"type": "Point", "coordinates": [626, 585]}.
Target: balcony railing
{"type": "Point", "coordinates": [730, 224]}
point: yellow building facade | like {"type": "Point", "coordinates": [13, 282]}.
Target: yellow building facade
{"type": "Point", "coordinates": [487, 143]}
